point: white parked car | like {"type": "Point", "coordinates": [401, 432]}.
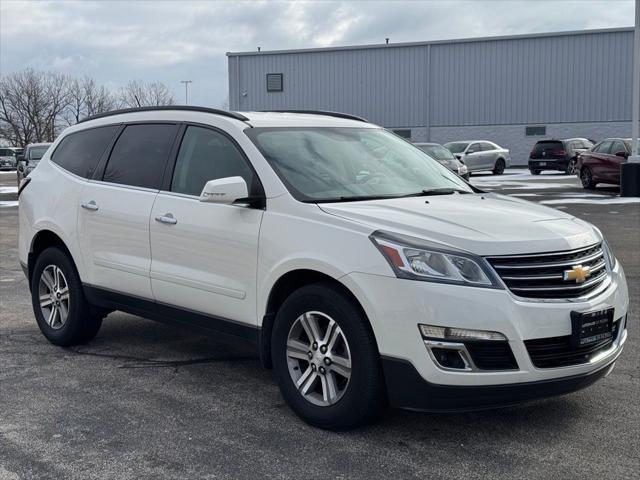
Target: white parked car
{"type": "Point", "coordinates": [361, 269]}
{"type": "Point", "coordinates": [480, 155]}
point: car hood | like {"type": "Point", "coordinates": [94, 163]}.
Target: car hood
{"type": "Point", "coordinates": [485, 224]}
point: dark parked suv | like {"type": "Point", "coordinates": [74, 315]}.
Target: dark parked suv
{"type": "Point", "coordinates": [602, 163]}
{"type": "Point", "coordinates": [557, 154]}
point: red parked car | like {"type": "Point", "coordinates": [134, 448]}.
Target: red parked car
{"type": "Point", "coordinates": [602, 163]}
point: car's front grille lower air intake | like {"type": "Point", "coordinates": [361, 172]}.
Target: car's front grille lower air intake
{"type": "Point", "coordinates": [556, 275]}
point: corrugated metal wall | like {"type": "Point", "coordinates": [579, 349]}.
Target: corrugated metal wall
{"type": "Point", "coordinates": [546, 79]}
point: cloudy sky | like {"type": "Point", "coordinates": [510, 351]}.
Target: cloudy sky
{"type": "Point", "coordinates": [114, 41]}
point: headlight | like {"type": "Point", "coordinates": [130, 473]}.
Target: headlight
{"type": "Point", "coordinates": [609, 257]}
{"type": "Point", "coordinates": [416, 259]}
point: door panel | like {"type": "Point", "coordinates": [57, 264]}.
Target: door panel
{"type": "Point", "coordinates": [113, 226]}
{"type": "Point", "coordinates": [207, 260]}
{"type": "Point", "coordinates": [474, 160]}
{"type": "Point", "coordinates": [204, 255]}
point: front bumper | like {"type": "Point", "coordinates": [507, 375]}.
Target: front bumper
{"type": "Point", "coordinates": [395, 307]}
{"type": "Point", "coordinates": [407, 389]}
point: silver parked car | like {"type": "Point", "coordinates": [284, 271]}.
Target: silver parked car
{"type": "Point", "coordinates": [8, 157]}
{"type": "Point", "coordinates": [479, 155]}
{"type": "Point", "coordinates": [29, 160]}
{"type": "Point", "coordinates": [445, 157]}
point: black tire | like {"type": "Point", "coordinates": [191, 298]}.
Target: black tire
{"type": "Point", "coordinates": [82, 323]}
{"type": "Point", "coordinates": [535, 172]}
{"type": "Point", "coordinates": [364, 396]}
{"type": "Point", "coordinates": [586, 178]}
{"type": "Point", "coordinates": [570, 169]}
{"type": "Point", "coordinates": [498, 168]}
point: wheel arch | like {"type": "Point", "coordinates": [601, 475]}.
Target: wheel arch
{"type": "Point", "coordinates": [42, 240]}
{"type": "Point", "coordinates": [284, 286]}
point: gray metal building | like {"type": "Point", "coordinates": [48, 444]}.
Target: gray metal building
{"type": "Point", "coordinates": [512, 90]}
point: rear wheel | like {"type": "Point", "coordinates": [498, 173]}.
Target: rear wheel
{"type": "Point", "coordinates": [571, 167]}
{"type": "Point", "coordinates": [326, 360]}
{"type": "Point", "coordinates": [535, 172]}
{"type": "Point", "coordinates": [59, 305]}
{"type": "Point", "coordinates": [499, 167]}
{"type": "Point", "coordinates": [586, 177]}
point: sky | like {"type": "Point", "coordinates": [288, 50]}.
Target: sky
{"type": "Point", "coordinates": [114, 41]}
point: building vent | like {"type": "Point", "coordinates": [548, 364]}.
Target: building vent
{"type": "Point", "coordinates": [274, 82]}
{"type": "Point", "coordinates": [535, 131]}
{"type": "Point", "coordinates": [404, 132]}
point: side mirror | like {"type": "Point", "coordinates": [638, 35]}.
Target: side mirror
{"type": "Point", "coordinates": [471, 150]}
{"type": "Point", "coordinates": [622, 154]}
{"type": "Point", "coordinates": [224, 190]}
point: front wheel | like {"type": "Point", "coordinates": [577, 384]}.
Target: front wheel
{"type": "Point", "coordinates": [498, 168]}
{"type": "Point", "coordinates": [535, 172]}
{"type": "Point", "coordinates": [63, 314]}
{"type": "Point", "coordinates": [326, 360]}
{"type": "Point", "coordinates": [586, 178]}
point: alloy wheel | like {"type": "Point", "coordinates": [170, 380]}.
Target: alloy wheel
{"type": "Point", "coordinates": [53, 295]}
{"type": "Point", "coordinates": [319, 358]}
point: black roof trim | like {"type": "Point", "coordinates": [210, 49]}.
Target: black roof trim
{"type": "Point", "coordinates": [322, 112]}
{"type": "Point", "coordinates": [188, 108]}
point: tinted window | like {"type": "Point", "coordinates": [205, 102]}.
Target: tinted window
{"type": "Point", "coordinates": [437, 151]}
{"type": "Point", "coordinates": [80, 152]}
{"type": "Point", "coordinates": [548, 146]}
{"type": "Point", "coordinates": [140, 154]}
{"type": "Point", "coordinates": [456, 147]}
{"type": "Point", "coordinates": [487, 147]}
{"type": "Point", "coordinates": [36, 153]}
{"type": "Point", "coordinates": [618, 146]}
{"type": "Point", "coordinates": [208, 155]}
{"type": "Point", "coordinates": [603, 147]}
{"type": "Point", "coordinates": [476, 147]}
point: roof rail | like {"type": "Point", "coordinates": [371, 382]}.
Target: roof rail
{"type": "Point", "coordinates": [188, 108]}
{"type": "Point", "coordinates": [322, 112]}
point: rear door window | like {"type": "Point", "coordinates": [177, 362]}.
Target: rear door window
{"type": "Point", "coordinates": [80, 152]}
{"type": "Point", "coordinates": [487, 147]}
{"type": "Point", "coordinates": [140, 155]}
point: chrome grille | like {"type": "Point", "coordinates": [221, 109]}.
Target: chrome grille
{"type": "Point", "coordinates": [542, 275]}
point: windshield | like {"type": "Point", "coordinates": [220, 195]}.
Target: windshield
{"type": "Point", "coordinates": [36, 153]}
{"type": "Point", "coordinates": [456, 147]}
{"type": "Point", "coordinates": [321, 164]}
{"type": "Point", "coordinates": [437, 151]}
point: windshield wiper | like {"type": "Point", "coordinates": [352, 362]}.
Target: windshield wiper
{"type": "Point", "coordinates": [437, 191]}
{"type": "Point", "coordinates": [356, 198]}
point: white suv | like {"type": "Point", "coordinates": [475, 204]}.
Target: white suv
{"type": "Point", "coordinates": [363, 271]}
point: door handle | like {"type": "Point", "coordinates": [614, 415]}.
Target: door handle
{"type": "Point", "coordinates": [167, 218]}
{"type": "Point", "coordinates": [90, 206]}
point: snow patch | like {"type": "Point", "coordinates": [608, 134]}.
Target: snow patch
{"type": "Point", "coordinates": [592, 201]}
{"type": "Point", "coordinates": [9, 204]}
{"type": "Point", "coordinates": [9, 189]}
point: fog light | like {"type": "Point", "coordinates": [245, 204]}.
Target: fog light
{"type": "Point", "coordinates": [459, 334]}
{"type": "Point", "coordinates": [449, 358]}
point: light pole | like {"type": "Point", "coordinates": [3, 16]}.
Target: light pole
{"type": "Point", "coordinates": [186, 90]}
{"type": "Point", "coordinates": [630, 170]}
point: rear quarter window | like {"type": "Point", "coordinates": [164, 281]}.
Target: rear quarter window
{"type": "Point", "coordinates": [80, 152]}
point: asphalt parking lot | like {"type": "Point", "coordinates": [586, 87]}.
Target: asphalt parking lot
{"type": "Point", "coordinates": [144, 400]}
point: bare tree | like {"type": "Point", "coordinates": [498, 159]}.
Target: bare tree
{"type": "Point", "coordinates": [87, 98]}
{"type": "Point", "coordinates": [145, 94]}
{"type": "Point", "coordinates": [31, 104]}
{"type": "Point", "coordinates": [36, 106]}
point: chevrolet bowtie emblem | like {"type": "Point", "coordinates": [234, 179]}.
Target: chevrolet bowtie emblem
{"type": "Point", "coordinates": [577, 273]}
